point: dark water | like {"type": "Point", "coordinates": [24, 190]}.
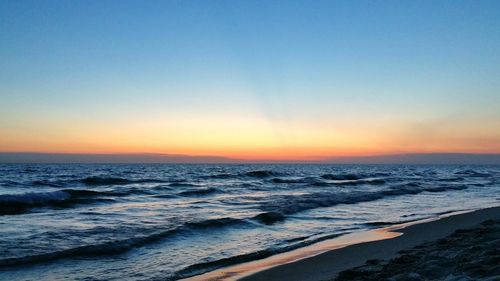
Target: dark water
{"type": "Point", "coordinates": [165, 222]}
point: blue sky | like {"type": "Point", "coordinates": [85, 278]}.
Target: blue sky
{"type": "Point", "coordinates": [350, 69]}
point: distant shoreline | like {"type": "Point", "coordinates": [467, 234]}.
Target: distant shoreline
{"type": "Point", "coordinates": [157, 158]}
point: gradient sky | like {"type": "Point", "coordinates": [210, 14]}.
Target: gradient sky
{"type": "Point", "coordinates": [250, 79]}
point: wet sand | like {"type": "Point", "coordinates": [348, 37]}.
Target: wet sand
{"type": "Point", "coordinates": [328, 265]}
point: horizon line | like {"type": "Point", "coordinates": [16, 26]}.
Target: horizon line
{"type": "Point", "coordinates": [165, 158]}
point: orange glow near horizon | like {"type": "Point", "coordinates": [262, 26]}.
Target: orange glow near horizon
{"type": "Point", "coordinates": [257, 143]}
{"type": "Point", "coordinates": [253, 136]}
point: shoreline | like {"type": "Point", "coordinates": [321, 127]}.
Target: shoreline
{"type": "Point", "coordinates": [325, 259]}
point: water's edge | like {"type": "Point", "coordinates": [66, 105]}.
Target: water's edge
{"type": "Point", "coordinates": [240, 271]}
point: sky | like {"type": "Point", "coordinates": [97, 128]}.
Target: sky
{"type": "Point", "coordinates": [250, 79]}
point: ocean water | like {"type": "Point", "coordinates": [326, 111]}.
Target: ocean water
{"type": "Point", "coordinates": [166, 222]}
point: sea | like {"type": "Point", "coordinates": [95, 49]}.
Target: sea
{"type": "Point", "coordinates": [173, 221]}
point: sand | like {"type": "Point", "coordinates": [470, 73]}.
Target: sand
{"type": "Point", "coordinates": [419, 263]}
{"type": "Point", "coordinates": [468, 254]}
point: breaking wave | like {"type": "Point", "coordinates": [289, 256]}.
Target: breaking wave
{"type": "Point", "coordinates": [118, 246]}
{"type": "Point", "coordinates": [291, 204]}
{"type": "Point", "coordinates": [21, 203]}
{"type": "Point", "coordinates": [116, 181]}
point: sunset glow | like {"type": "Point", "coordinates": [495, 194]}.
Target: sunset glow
{"type": "Point", "coordinates": [286, 86]}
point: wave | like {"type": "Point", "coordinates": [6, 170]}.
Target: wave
{"type": "Point", "coordinates": [82, 193]}
{"type": "Point", "coordinates": [318, 182]}
{"type": "Point", "coordinates": [291, 204]}
{"type": "Point", "coordinates": [165, 196]}
{"type": "Point", "coordinates": [260, 174]}
{"type": "Point", "coordinates": [269, 217]}
{"type": "Point", "coordinates": [94, 180]}
{"type": "Point", "coordinates": [326, 181]}
{"type": "Point", "coordinates": [11, 183]}
{"type": "Point", "coordinates": [344, 177]}
{"type": "Point", "coordinates": [389, 223]}
{"type": "Point", "coordinates": [449, 187]}
{"type": "Point", "coordinates": [293, 180]}
{"type": "Point", "coordinates": [182, 184]}
{"type": "Point", "coordinates": [251, 174]}
{"type": "Point", "coordinates": [366, 181]}
{"type": "Point", "coordinates": [219, 222]}
{"type": "Point", "coordinates": [220, 176]}
{"type": "Point", "coordinates": [103, 249]}
{"type": "Point", "coordinates": [30, 170]}
{"type": "Point", "coordinates": [472, 173]}
{"type": "Point", "coordinates": [199, 192]}
{"type": "Point", "coordinates": [117, 247]}
{"type": "Point", "coordinates": [200, 268]}
{"type": "Point", "coordinates": [341, 177]}
{"type": "Point", "coordinates": [47, 183]}
{"type": "Point", "coordinates": [33, 198]}
{"type": "Point", "coordinates": [453, 179]}
{"type": "Point", "coordinates": [11, 204]}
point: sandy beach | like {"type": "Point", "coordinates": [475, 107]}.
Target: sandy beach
{"type": "Point", "coordinates": [439, 253]}
{"type": "Point", "coordinates": [467, 254]}
{"type": "Point", "coordinates": [456, 246]}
